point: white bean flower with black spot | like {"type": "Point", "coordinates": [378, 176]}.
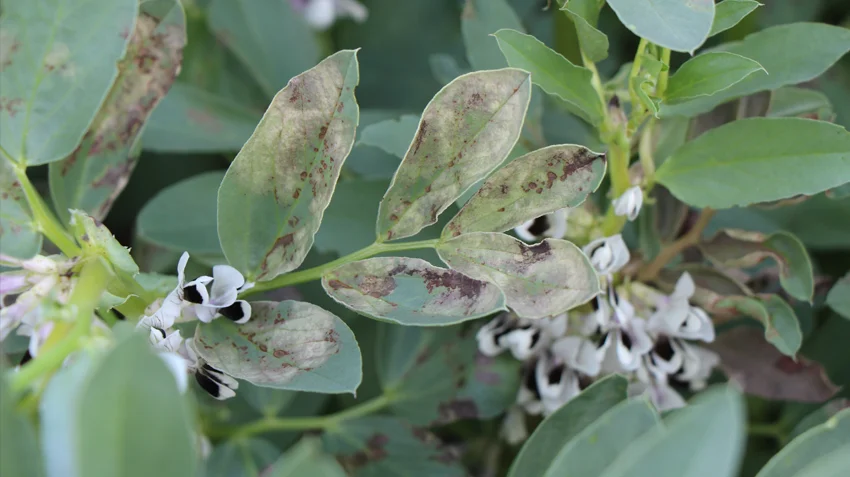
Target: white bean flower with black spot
{"type": "Point", "coordinates": [552, 225]}
{"type": "Point", "coordinates": [629, 203]}
{"type": "Point", "coordinates": [676, 317]}
{"type": "Point", "coordinates": [608, 254]}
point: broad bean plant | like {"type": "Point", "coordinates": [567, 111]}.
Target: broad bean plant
{"type": "Point", "coordinates": [491, 303]}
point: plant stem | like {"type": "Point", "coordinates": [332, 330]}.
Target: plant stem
{"type": "Point", "coordinates": [674, 249]}
{"type": "Point", "coordinates": [317, 272]}
{"type": "Point", "coordinates": [637, 107]}
{"type": "Point", "coordinates": [44, 218]}
{"type": "Point", "coordinates": [645, 153]}
{"type": "Point", "coordinates": [661, 86]}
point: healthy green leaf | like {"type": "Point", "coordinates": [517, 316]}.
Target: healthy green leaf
{"type": "Point", "coordinates": [96, 239]}
{"type": "Point", "coordinates": [391, 136]}
{"type": "Point", "coordinates": [743, 249]}
{"type": "Point", "coordinates": [55, 76]}
{"type": "Point", "coordinates": [538, 280]}
{"type": "Point", "coordinates": [479, 20]}
{"type": "Point", "coordinates": [287, 345]}
{"type": "Point", "coordinates": [812, 450]}
{"type": "Point", "coordinates": [725, 167]}
{"type": "Point", "coordinates": [306, 458]}
{"type": "Point", "coordinates": [348, 223]}
{"type": "Point", "coordinates": [705, 439]}
{"type": "Point", "coordinates": [97, 171]}
{"type": "Point", "coordinates": [707, 74]}
{"type": "Point", "coordinates": [808, 49]}
{"type": "Point", "coordinates": [596, 447]}
{"type": "Point", "coordinates": [781, 327]}
{"type": "Point", "coordinates": [19, 454]}
{"type": "Point", "coordinates": [585, 15]}
{"type": "Point", "coordinates": [839, 297]}
{"type": "Point", "coordinates": [240, 458]}
{"type": "Point", "coordinates": [729, 12]}
{"type": "Point", "coordinates": [266, 401]}
{"type": "Point", "coordinates": [840, 192]}
{"type": "Point", "coordinates": [19, 234]}
{"type": "Point", "coordinates": [674, 24]}
{"type": "Point", "coordinates": [535, 184]}
{"type": "Point", "coordinates": [272, 198]}
{"type": "Point", "coordinates": [465, 132]}
{"type": "Point", "coordinates": [565, 424]}
{"type": "Point", "coordinates": [552, 72]}
{"type": "Point", "coordinates": [273, 41]}
{"type": "Point", "coordinates": [445, 68]}
{"type": "Point", "coordinates": [791, 101]}
{"type": "Point", "coordinates": [410, 291]}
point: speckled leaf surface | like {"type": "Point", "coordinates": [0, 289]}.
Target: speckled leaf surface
{"type": "Point", "coordinates": [538, 280]}
{"type": "Point", "coordinates": [19, 235]}
{"type": "Point", "coordinates": [275, 192]}
{"type": "Point", "coordinates": [744, 249]}
{"type": "Point", "coordinates": [466, 130]}
{"type": "Point", "coordinates": [58, 59]}
{"type": "Point", "coordinates": [97, 171]}
{"type": "Point", "coordinates": [410, 291]}
{"type": "Point", "coordinates": [535, 184]}
{"type": "Point", "coordinates": [287, 345]}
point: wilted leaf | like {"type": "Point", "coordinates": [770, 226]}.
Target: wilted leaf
{"type": "Point", "coordinates": [743, 249]}
{"type": "Point", "coordinates": [465, 132]}
{"type": "Point", "coordinates": [273, 196]}
{"type": "Point", "coordinates": [96, 239]}
{"type": "Point", "coordinates": [287, 345]}
{"type": "Point", "coordinates": [761, 370]}
{"type": "Point", "coordinates": [479, 20]}
{"type": "Point", "coordinates": [412, 292]}
{"type": "Point", "coordinates": [306, 458]}
{"type": "Point", "coordinates": [674, 24]}
{"type": "Point", "coordinates": [19, 234]}
{"type": "Point", "coordinates": [725, 167]}
{"type": "Point", "coordinates": [707, 74]}
{"type": "Point", "coordinates": [839, 297]}
{"type": "Point", "coordinates": [781, 326]}
{"type": "Point", "coordinates": [55, 76]}
{"type": "Point", "coordinates": [392, 136]}
{"type": "Point", "coordinates": [97, 171]}
{"type": "Point", "coordinates": [823, 451]}
{"type": "Point", "coordinates": [538, 280]}
{"type": "Point", "coordinates": [535, 184]}
{"type": "Point", "coordinates": [585, 15]}
{"type": "Point", "coordinates": [729, 12]}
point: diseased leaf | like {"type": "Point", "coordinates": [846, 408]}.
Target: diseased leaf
{"type": "Point", "coordinates": [725, 167]}
{"type": "Point", "coordinates": [743, 249]}
{"type": "Point", "coordinates": [479, 20]}
{"type": "Point", "coordinates": [762, 370]}
{"type": "Point", "coordinates": [839, 297]}
{"type": "Point", "coordinates": [674, 24]}
{"type": "Point", "coordinates": [465, 132]}
{"type": "Point", "coordinates": [54, 77]}
{"type": "Point", "coordinates": [391, 135]}
{"type": "Point", "coordinates": [410, 291]}
{"type": "Point", "coordinates": [19, 234]}
{"type": "Point", "coordinates": [585, 15]}
{"type": "Point", "coordinates": [729, 12]}
{"type": "Point", "coordinates": [535, 184]}
{"type": "Point", "coordinates": [538, 280]}
{"type": "Point", "coordinates": [287, 345]}
{"type": "Point", "coordinates": [781, 326]}
{"type": "Point", "coordinates": [707, 74]}
{"type": "Point", "coordinates": [840, 192]}
{"type": "Point", "coordinates": [791, 101]}
{"type": "Point", "coordinates": [566, 423]}
{"type": "Point", "coordinates": [272, 198]}
{"type": "Point", "coordinates": [808, 49]}
{"type": "Point", "coordinates": [552, 72]}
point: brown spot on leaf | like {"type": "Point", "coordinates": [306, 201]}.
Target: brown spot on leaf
{"type": "Point", "coordinates": [458, 409]}
{"type": "Point", "coordinates": [376, 286]}
{"type": "Point", "coordinates": [296, 194]}
{"type": "Point", "coordinates": [280, 353]}
{"type": "Point", "coordinates": [323, 132]}
{"type": "Point", "coordinates": [420, 135]}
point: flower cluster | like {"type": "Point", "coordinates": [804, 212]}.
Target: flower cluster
{"type": "Point", "coordinates": [321, 14]}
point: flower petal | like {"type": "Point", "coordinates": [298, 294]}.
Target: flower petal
{"type": "Point", "coordinates": [181, 269]}
{"type": "Point", "coordinates": [238, 312]}
{"type": "Point", "coordinates": [226, 281]}
{"type": "Point", "coordinates": [523, 232]}
{"type": "Point", "coordinates": [177, 365]}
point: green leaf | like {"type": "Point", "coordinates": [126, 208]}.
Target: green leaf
{"type": "Point", "coordinates": [391, 135]}
{"type": "Point", "coordinates": [287, 345]}
{"type": "Point", "coordinates": [182, 217]}
{"type": "Point", "coordinates": [808, 49]}
{"type": "Point", "coordinates": [781, 327]}
{"type": "Point", "coordinates": [240, 458]}
{"type": "Point", "coordinates": [840, 192]}
{"type": "Point", "coordinates": [271, 200]}
{"type": "Point", "coordinates": [554, 73]}
{"type": "Point", "coordinates": [725, 167]}
{"type": "Point", "coordinates": [557, 430]}
{"type": "Point", "coordinates": [479, 20]}
{"type": "Point", "coordinates": [19, 453]}
{"type": "Point", "coordinates": [381, 446]}
{"type": "Point", "coordinates": [19, 233]}
{"type": "Point", "coordinates": [465, 132]}
{"type": "Point", "coordinates": [97, 171]}
{"type": "Point", "coordinates": [410, 291]}
{"type": "Point", "coordinates": [674, 24]}
{"type": "Point", "coordinates": [490, 389]}
{"type": "Point", "coordinates": [129, 404]}
{"type": "Point", "coordinates": [535, 184]}
{"type": "Point", "coordinates": [273, 41]}
{"type": "Point", "coordinates": [585, 15]}
{"type": "Point", "coordinates": [266, 401]}
{"type": "Point", "coordinates": [705, 439]}
{"type": "Point", "coordinates": [597, 446]}
{"type": "Point", "coordinates": [791, 101]}
{"type": "Point", "coordinates": [839, 297]}
{"type": "Point", "coordinates": [348, 223]}
{"type": "Point", "coordinates": [192, 120]}
{"type": "Point", "coordinates": [538, 280]}
{"type": "Point", "coordinates": [707, 74]}
{"type": "Point", "coordinates": [306, 458]}
{"type": "Point", "coordinates": [55, 77]}
{"type": "Point", "coordinates": [96, 239]}
{"type": "Point", "coordinates": [729, 12]}
{"type": "Point", "coordinates": [445, 67]}
{"type": "Point", "coordinates": [743, 249]}
{"type": "Point", "coordinates": [814, 450]}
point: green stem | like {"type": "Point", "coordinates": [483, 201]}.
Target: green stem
{"type": "Point", "coordinates": [315, 273]}
{"type": "Point", "coordinates": [636, 104]}
{"type": "Point", "coordinates": [645, 152]}
{"type": "Point", "coordinates": [44, 218]}
{"type": "Point", "coordinates": [84, 299]}
{"type": "Point", "coordinates": [661, 86]}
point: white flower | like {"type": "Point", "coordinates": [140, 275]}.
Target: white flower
{"type": "Point", "coordinates": [676, 317]}
{"type": "Point", "coordinates": [629, 203]}
{"type": "Point", "coordinates": [513, 428]}
{"type": "Point", "coordinates": [608, 255]}
{"type": "Point", "coordinates": [180, 356]}
{"type": "Point", "coordinates": [626, 339]}
{"type": "Point", "coordinates": [697, 365]}
{"type": "Point", "coordinates": [321, 14]}
{"type": "Point", "coordinates": [227, 282]}
{"type": "Point", "coordinates": [580, 354]}
{"type": "Point", "coordinates": [552, 225]}
{"type": "Point", "coordinates": [556, 383]}
{"type": "Point", "coordinates": [653, 384]}
{"type": "Point", "coordinates": [523, 337]}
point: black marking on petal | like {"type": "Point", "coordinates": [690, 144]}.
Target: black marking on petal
{"type": "Point", "coordinates": [539, 226]}
{"type": "Point", "coordinates": [191, 294]}
{"type": "Point", "coordinates": [535, 338]}
{"type": "Point", "coordinates": [530, 381]}
{"type": "Point", "coordinates": [118, 314]}
{"type": "Point", "coordinates": [234, 312]}
{"type": "Point", "coordinates": [664, 349]}
{"type": "Point", "coordinates": [555, 374]}
{"type": "Point", "coordinates": [160, 330]}
{"type": "Point", "coordinates": [26, 358]}
{"type": "Point", "coordinates": [584, 381]}
{"type": "Point", "coordinates": [627, 341]}
{"type": "Point", "coordinates": [208, 384]}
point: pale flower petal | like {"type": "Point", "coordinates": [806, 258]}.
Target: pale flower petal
{"type": "Point", "coordinates": [523, 233]}
{"type": "Point", "coordinates": [513, 429]}
{"type": "Point", "coordinates": [177, 365]}
{"type": "Point", "coordinates": [608, 255]}
{"type": "Point", "coordinates": [226, 281]}
{"type": "Point", "coordinates": [629, 203]}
